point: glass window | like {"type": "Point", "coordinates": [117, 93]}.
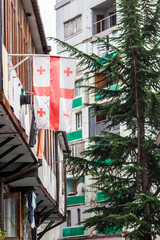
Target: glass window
{"type": "Point", "coordinates": [100, 118]}
{"type": "Point", "coordinates": [79, 90]}
{"type": "Point", "coordinates": [74, 150]}
{"type": "Point", "coordinates": [72, 26]}
{"type": "Point", "coordinates": [79, 24]}
{"type": "Point", "coordinates": [12, 215]}
{"type": "Point", "coordinates": [79, 120]}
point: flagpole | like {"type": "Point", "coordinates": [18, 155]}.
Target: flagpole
{"type": "Point", "coordinates": [36, 55]}
{"type": "Point", "coordinates": [26, 55]}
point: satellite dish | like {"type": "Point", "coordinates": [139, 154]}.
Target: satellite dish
{"type": "Point", "coordinates": [81, 189]}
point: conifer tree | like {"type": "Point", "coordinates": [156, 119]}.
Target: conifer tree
{"type": "Point", "coordinates": [126, 168]}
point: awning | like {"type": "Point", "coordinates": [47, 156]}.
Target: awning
{"type": "Point", "coordinates": [19, 166]}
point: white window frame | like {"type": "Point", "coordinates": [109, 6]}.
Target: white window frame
{"type": "Point", "coordinates": [74, 150]}
{"type": "Point", "coordinates": [79, 120]}
{"type": "Point", "coordinates": [78, 89]}
{"type": "Point", "coordinates": [73, 26]}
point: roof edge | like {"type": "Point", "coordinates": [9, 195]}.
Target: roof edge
{"type": "Point", "coordinates": [36, 9]}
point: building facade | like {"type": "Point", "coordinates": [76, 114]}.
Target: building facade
{"type": "Point", "coordinates": [79, 23]}
{"type": "Point", "coordinates": [32, 182]}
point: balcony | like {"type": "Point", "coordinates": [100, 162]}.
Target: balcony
{"type": "Point", "coordinates": [112, 88]}
{"type": "Point", "coordinates": [104, 23]}
{"type": "Point", "coordinates": [74, 135]}
{"type": "Point", "coordinates": [101, 197]}
{"type": "Point", "coordinates": [77, 102]}
{"type": "Point", "coordinates": [75, 200]}
{"type": "Point", "coordinates": [111, 230]}
{"type": "Point", "coordinates": [73, 231]}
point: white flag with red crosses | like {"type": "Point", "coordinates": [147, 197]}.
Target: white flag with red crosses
{"type": "Point", "coordinates": [53, 87]}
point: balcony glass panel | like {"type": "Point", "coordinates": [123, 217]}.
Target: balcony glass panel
{"type": "Point", "coordinates": [74, 231]}
{"type": "Point", "coordinates": [74, 135]}
{"type": "Point", "coordinates": [111, 230]}
{"type": "Point", "coordinates": [75, 200]}
{"type": "Point", "coordinates": [101, 197]}
{"type": "Point", "coordinates": [77, 102]}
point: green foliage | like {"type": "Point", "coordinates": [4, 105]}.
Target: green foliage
{"type": "Point", "coordinates": [134, 170]}
{"type": "Point", "coordinates": [2, 234]}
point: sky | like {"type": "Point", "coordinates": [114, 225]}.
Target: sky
{"type": "Point", "coordinates": [48, 15]}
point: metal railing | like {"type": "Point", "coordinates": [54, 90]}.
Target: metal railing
{"type": "Point", "coordinates": [104, 24]}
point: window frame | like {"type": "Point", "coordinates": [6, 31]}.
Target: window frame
{"type": "Point", "coordinates": [78, 89]}
{"type": "Point", "coordinates": [73, 26]}
{"type": "Point", "coordinates": [79, 123]}
{"type": "Point", "coordinates": [18, 198]}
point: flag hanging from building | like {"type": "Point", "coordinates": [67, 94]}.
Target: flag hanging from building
{"type": "Point", "coordinates": [53, 87]}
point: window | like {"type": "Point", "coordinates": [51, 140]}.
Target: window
{"type": "Point", "coordinates": [78, 120]}
{"type": "Point", "coordinates": [12, 203]}
{"type": "Point", "coordinates": [77, 148]}
{"type": "Point", "coordinates": [78, 89]}
{"type": "Point", "coordinates": [73, 26]}
{"type": "Point", "coordinates": [74, 150]}
{"type": "Point", "coordinates": [68, 218]}
{"type": "Point", "coordinates": [100, 118]}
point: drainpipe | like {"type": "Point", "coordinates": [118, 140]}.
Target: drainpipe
{"type": "Point", "coordinates": [57, 168]}
{"type": "Point", "coordinates": [34, 234]}
{"type": "Point", "coordinates": [1, 181]}
{"type": "Point", "coordinates": [0, 45]}
{"type": "Point", "coordinates": [1, 204]}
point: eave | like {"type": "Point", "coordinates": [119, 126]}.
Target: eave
{"type": "Point", "coordinates": [19, 166]}
{"type": "Point", "coordinates": [36, 26]}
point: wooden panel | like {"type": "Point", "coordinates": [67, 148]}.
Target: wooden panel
{"type": "Point", "coordinates": [100, 81]}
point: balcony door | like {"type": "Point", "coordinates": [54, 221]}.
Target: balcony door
{"type": "Point", "coordinates": [99, 25]}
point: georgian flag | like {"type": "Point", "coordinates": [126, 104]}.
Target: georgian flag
{"type": "Point", "coordinates": [53, 87]}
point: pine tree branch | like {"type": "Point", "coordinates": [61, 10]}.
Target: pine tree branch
{"type": "Point", "coordinates": [157, 192]}
{"type": "Point", "coordinates": [83, 57]}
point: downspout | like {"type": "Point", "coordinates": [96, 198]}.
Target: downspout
{"type": "Point", "coordinates": [65, 182]}
{"type": "Point", "coordinates": [1, 180]}
{"type": "Point", "coordinates": [1, 46]}
{"type": "Point", "coordinates": [1, 204]}
{"type": "Point", "coordinates": [57, 168]}
{"type": "Point", "coordinates": [68, 151]}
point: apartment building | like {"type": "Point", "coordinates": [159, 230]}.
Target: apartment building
{"type": "Point", "coordinates": [79, 23]}
{"type": "Point", "coordinates": [32, 184]}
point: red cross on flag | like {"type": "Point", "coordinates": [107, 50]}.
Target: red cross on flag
{"type": "Point", "coordinates": [53, 87]}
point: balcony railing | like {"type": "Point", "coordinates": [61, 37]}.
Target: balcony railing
{"type": "Point", "coordinates": [75, 200]}
{"type": "Point", "coordinates": [74, 135]}
{"type": "Point", "coordinates": [104, 23]}
{"type": "Point", "coordinates": [73, 231]}
{"type": "Point", "coordinates": [101, 197]}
